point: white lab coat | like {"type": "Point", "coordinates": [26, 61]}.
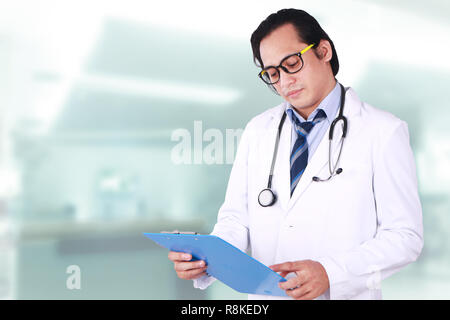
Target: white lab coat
{"type": "Point", "coordinates": [362, 225]}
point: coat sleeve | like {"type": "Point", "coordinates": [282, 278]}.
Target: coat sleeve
{"type": "Point", "coordinates": [232, 221]}
{"type": "Point", "coordinates": [399, 237]}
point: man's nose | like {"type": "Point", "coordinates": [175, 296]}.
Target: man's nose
{"type": "Point", "coordinates": [286, 79]}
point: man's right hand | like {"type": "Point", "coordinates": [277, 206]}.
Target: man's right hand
{"type": "Point", "coordinates": [185, 268]}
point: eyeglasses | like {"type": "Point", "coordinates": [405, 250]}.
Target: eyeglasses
{"type": "Point", "coordinates": [291, 64]}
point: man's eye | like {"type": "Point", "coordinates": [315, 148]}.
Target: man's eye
{"type": "Point", "coordinates": [292, 63]}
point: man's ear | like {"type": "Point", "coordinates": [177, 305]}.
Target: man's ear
{"type": "Point", "coordinates": [324, 50]}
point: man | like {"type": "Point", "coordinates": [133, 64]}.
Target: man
{"type": "Point", "coordinates": [332, 238]}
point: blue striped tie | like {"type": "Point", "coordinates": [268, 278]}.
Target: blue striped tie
{"type": "Point", "coordinates": [299, 155]}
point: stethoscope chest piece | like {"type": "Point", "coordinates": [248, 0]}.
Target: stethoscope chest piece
{"type": "Point", "coordinates": [267, 197]}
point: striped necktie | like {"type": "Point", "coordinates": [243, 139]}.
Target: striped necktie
{"type": "Point", "coordinates": [299, 155]}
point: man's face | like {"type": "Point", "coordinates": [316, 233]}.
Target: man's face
{"type": "Point", "coordinates": [305, 89]}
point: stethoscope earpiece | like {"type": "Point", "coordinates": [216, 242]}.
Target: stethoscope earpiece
{"type": "Point", "coordinates": [317, 179]}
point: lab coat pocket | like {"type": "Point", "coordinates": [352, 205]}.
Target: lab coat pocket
{"type": "Point", "coordinates": [348, 208]}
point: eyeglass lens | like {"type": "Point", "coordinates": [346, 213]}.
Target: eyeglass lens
{"type": "Point", "coordinates": [291, 64]}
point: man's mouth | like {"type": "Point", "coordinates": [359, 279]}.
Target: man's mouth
{"type": "Point", "coordinates": [294, 93]}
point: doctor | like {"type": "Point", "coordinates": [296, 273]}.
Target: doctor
{"type": "Point", "coordinates": [336, 216]}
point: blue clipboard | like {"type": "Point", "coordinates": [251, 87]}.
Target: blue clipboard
{"type": "Point", "coordinates": [224, 262]}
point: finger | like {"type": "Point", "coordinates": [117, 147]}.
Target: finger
{"type": "Point", "coordinates": [285, 273]}
{"type": "Point", "coordinates": [308, 295]}
{"type": "Point", "coordinates": [179, 256]}
{"type": "Point", "coordinates": [192, 274]}
{"type": "Point", "coordinates": [300, 292]}
{"type": "Point", "coordinates": [291, 283]}
{"type": "Point", "coordinates": [277, 267]}
{"type": "Point", "coordinates": [184, 266]}
{"type": "Point", "coordinates": [286, 266]}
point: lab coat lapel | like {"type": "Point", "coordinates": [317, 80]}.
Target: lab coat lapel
{"type": "Point", "coordinates": [282, 175]}
{"type": "Point", "coordinates": [284, 165]}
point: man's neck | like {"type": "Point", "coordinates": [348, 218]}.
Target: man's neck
{"type": "Point", "coordinates": [305, 112]}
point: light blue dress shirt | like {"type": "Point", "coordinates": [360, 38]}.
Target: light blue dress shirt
{"type": "Point", "coordinates": [330, 105]}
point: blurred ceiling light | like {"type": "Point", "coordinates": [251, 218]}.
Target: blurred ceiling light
{"type": "Point", "coordinates": [182, 91]}
{"type": "Point", "coordinates": [110, 184]}
{"type": "Point", "coordinates": [9, 183]}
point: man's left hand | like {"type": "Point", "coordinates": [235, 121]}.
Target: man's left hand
{"type": "Point", "coordinates": [311, 280]}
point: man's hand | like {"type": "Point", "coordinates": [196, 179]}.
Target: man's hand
{"type": "Point", "coordinates": [311, 280]}
{"type": "Point", "coordinates": [185, 268]}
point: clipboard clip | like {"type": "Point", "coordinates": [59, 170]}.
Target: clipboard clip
{"type": "Point", "coordinates": [180, 232]}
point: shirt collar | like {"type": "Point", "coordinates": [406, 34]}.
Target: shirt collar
{"type": "Point", "coordinates": [329, 105]}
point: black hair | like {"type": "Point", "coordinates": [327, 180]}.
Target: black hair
{"type": "Point", "coordinates": [308, 30]}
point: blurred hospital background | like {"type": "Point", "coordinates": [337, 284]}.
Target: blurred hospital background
{"type": "Point", "coordinates": [97, 98]}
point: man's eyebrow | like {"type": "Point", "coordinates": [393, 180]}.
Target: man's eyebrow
{"type": "Point", "coordinates": [280, 61]}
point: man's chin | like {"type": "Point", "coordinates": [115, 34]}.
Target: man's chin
{"type": "Point", "coordinates": [298, 103]}
{"type": "Point", "coordinates": [302, 107]}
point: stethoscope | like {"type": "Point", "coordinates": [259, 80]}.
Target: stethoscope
{"type": "Point", "coordinates": [267, 196]}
